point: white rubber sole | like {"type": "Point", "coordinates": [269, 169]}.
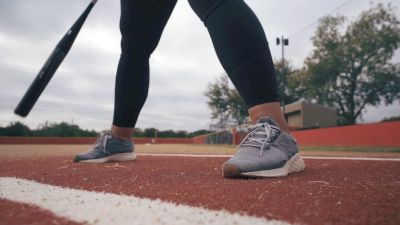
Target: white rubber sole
{"type": "Point", "coordinates": [295, 164]}
{"type": "Point", "coordinates": [121, 157]}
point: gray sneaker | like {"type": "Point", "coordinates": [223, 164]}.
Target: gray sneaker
{"type": "Point", "coordinates": [108, 149]}
{"type": "Point", "coordinates": [265, 152]}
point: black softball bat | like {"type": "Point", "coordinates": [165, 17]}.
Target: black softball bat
{"type": "Point", "coordinates": [51, 65]}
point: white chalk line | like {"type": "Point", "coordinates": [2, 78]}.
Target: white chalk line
{"type": "Point", "coordinates": [107, 208]}
{"type": "Point", "coordinates": [304, 157]}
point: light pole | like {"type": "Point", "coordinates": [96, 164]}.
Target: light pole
{"type": "Point", "coordinates": [283, 42]}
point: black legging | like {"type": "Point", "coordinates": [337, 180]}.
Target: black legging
{"type": "Point", "coordinates": [237, 35]}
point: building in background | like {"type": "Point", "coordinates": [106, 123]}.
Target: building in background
{"type": "Point", "coordinates": [303, 114]}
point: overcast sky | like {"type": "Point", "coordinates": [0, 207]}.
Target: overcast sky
{"type": "Point", "coordinates": [184, 63]}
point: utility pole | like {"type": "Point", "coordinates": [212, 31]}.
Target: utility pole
{"type": "Point", "coordinates": [283, 42]}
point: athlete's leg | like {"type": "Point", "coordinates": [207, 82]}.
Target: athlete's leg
{"type": "Point", "coordinates": [141, 25]}
{"type": "Point", "coordinates": [241, 46]}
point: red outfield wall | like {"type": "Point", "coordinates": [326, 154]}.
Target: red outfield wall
{"type": "Point", "coordinates": [375, 134]}
{"type": "Point", "coordinates": [366, 135]}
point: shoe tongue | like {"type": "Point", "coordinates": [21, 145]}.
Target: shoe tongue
{"type": "Point", "coordinates": [274, 131]}
{"type": "Point", "coordinates": [260, 134]}
{"type": "Point", "coordinates": [267, 119]}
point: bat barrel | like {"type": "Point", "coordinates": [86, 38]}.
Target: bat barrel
{"type": "Point", "coordinates": [42, 79]}
{"type": "Point", "coordinates": [50, 67]}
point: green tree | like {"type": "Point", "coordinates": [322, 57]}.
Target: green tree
{"type": "Point", "coordinates": [16, 129]}
{"type": "Point", "coordinates": [197, 133]}
{"type": "Point", "coordinates": [150, 132]}
{"type": "Point", "coordinates": [237, 107]}
{"type": "Point", "coordinates": [389, 119]}
{"type": "Point", "coordinates": [181, 134]}
{"type": "Point", "coordinates": [284, 68]}
{"type": "Point", "coordinates": [166, 133]}
{"type": "Point", "coordinates": [352, 69]}
{"type": "Point", "coordinates": [225, 102]}
{"type": "Point", "coordinates": [137, 132]}
{"type": "Point", "coordinates": [62, 129]}
{"type": "Point", "coordinates": [219, 99]}
{"type": "Point", "coordinates": [298, 85]}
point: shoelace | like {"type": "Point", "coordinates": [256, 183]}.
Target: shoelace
{"type": "Point", "coordinates": [264, 131]}
{"type": "Point", "coordinates": [101, 141]}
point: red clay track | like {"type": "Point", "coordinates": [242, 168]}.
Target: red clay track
{"type": "Point", "coordinates": [327, 192]}
{"type": "Point", "coordinates": [18, 213]}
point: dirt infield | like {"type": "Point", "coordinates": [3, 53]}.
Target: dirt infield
{"type": "Point", "coordinates": [327, 192]}
{"type": "Point", "coordinates": [70, 150]}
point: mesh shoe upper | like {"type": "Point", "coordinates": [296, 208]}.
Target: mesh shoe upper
{"type": "Point", "coordinates": [265, 147]}
{"type": "Point", "coordinates": [104, 146]}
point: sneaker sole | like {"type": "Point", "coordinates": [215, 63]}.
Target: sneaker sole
{"type": "Point", "coordinates": [120, 157]}
{"type": "Point", "coordinates": [295, 164]}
